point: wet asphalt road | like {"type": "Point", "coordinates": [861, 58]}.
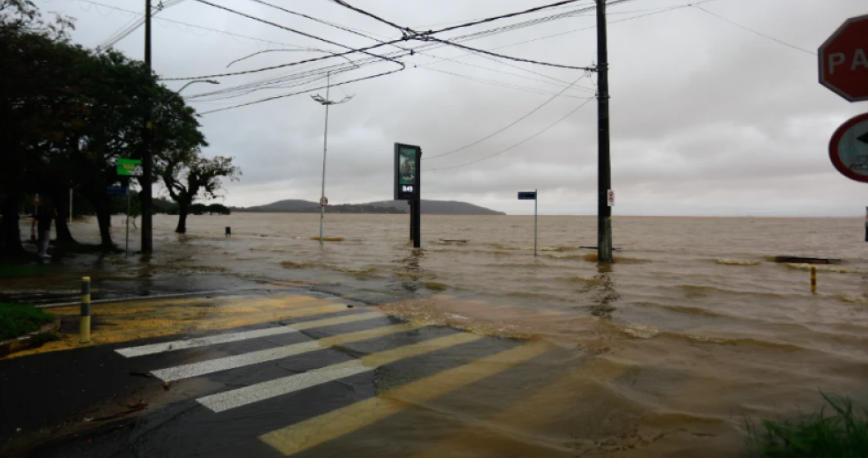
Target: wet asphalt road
{"type": "Point", "coordinates": [78, 402]}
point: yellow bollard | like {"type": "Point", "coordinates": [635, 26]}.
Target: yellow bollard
{"type": "Point", "coordinates": [84, 323]}
{"type": "Point", "coordinates": [813, 279]}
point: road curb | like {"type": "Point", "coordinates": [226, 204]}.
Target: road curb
{"type": "Point", "coordinates": [29, 340]}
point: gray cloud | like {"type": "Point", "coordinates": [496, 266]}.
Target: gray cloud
{"type": "Point", "coordinates": [706, 118]}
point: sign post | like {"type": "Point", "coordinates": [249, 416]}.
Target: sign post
{"type": "Point", "coordinates": [408, 185]}
{"type": "Point", "coordinates": [128, 168]}
{"type": "Point", "coordinates": [528, 195]}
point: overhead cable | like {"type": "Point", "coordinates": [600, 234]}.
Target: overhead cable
{"type": "Point", "coordinates": [754, 31]}
{"type": "Point", "coordinates": [516, 145]}
{"type": "Point", "coordinates": [527, 115]}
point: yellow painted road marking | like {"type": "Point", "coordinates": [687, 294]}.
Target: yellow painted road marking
{"type": "Point", "coordinates": [262, 391]}
{"type": "Point", "coordinates": [205, 341]}
{"type": "Point", "coordinates": [528, 414]}
{"type": "Point", "coordinates": [140, 323]}
{"type": "Point", "coordinates": [310, 433]}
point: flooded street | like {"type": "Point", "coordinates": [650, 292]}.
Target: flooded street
{"type": "Point", "coordinates": [667, 352]}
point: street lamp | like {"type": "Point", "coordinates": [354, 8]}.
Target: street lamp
{"type": "Point", "coordinates": [196, 81]}
{"type": "Point", "coordinates": [325, 101]}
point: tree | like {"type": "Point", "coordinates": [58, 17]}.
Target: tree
{"type": "Point", "coordinates": [69, 113]}
{"type": "Point", "coordinates": [29, 88]}
{"type": "Point", "coordinates": [187, 174]}
{"type": "Point", "coordinates": [219, 209]}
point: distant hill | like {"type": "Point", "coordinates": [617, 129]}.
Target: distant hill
{"type": "Point", "coordinates": [290, 205]}
{"type": "Point", "coordinates": [429, 207]}
{"type": "Point", "coordinates": [441, 207]}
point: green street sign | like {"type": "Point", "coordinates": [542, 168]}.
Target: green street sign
{"type": "Point", "coordinates": [129, 167]}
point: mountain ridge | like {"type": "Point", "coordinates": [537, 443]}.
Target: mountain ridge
{"type": "Point", "coordinates": [429, 207]}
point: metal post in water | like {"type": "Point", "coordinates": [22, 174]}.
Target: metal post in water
{"type": "Point", "coordinates": [535, 203]}
{"type": "Point", "coordinates": [84, 323]}
{"type": "Point", "coordinates": [813, 279]}
{"type": "Point", "coordinates": [127, 245]}
{"type": "Point", "coordinates": [324, 150]}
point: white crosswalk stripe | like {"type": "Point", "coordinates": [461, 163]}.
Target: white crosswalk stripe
{"type": "Point", "coordinates": [272, 354]}
{"type": "Point", "coordinates": [261, 391]}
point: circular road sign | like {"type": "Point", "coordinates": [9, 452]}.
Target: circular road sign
{"type": "Point", "coordinates": [324, 201]}
{"type": "Point", "coordinates": [849, 148]}
{"type": "Point", "coordinates": [844, 60]}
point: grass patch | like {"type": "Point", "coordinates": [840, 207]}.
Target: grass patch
{"type": "Point", "coordinates": [840, 433]}
{"type": "Point", "coordinates": [17, 320]}
{"type": "Point", "coordinates": [21, 270]}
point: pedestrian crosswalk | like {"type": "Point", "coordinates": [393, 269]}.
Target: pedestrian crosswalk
{"type": "Point", "coordinates": [386, 342]}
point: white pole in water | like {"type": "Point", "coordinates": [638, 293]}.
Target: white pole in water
{"type": "Point", "coordinates": [535, 200]}
{"type": "Point", "coordinates": [325, 142]}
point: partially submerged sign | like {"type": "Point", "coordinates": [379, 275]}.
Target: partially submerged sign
{"type": "Point", "coordinates": [130, 168]}
{"type": "Point", "coordinates": [408, 161]}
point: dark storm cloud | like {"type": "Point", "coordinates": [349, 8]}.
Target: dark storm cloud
{"type": "Point", "coordinates": [706, 118]}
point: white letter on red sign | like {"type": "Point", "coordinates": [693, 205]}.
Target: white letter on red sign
{"type": "Point", "coordinates": [859, 59]}
{"type": "Point", "coordinates": [835, 60]}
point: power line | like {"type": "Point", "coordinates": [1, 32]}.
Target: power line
{"type": "Point", "coordinates": [527, 115]}
{"type": "Point", "coordinates": [187, 24]}
{"type": "Point", "coordinates": [529, 90]}
{"type": "Point", "coordinates": [504, 16]}
{"type": "Point", "coordinates": [301, 92]}
{"type": "Point", "coordinates": [289, 29]}
{"type": "Point", "coordinates": [404, 30]}
{"type": "Point", "coordinates": [754, 31]}
{"type": "Point", "coordinates": [517, 59]}
{"type": "Point", "coordinates": [517, 144]}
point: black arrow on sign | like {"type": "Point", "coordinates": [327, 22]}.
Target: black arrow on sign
{"type": "Point", "coordinates": [863, 138]}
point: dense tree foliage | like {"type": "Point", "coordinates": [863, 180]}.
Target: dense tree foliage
{"type": "Point", "coordinates": [69, 113]}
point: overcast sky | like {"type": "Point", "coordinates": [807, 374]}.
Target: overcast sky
{"type": "Point", "coordinates": [706, 118]}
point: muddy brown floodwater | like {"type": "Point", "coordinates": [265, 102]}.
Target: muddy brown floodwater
{"type": "Point", "coordinates": [690, 331]}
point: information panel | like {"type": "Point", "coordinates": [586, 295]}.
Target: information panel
{"type": "Point", "coordinates": [408, 169]}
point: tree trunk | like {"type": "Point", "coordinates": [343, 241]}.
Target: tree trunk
{"type": "Point", "coordinates": [104, 216]}
{"type": "Point", "coordinates": [182, 218]}
{"type": "Point", "coordinates": [10, 234]}
{"type": "Point", "coordinates": [61, 201]}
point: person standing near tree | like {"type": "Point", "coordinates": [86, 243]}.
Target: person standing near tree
{"type": "Point", "coordinates": [42, 221]}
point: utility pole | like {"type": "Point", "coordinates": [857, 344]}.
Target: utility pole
{"type": "Point", "coordinates": [147, 156]}
{"type": "Point", "coordinates": [604, 171]}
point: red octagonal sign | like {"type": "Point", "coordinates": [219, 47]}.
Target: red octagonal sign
{"type": "Point", "coordinates": [844, 60]}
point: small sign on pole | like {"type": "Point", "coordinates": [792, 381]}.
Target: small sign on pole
{"type": "Point", "coordinates": [130, 168]}
{"type": "Point", "coordinates": [324, 202]}
{"type": "Point", "coordinates": [531, 195]}
{"type": "Point", "coordinates": [610, 197]}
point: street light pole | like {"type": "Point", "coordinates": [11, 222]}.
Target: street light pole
{"type": "Point", "coordinates": [325, 144]}
{"type": "Point", "coordinates": [194, 82]}
{"type": "Point", "coordinates": [325, 101]}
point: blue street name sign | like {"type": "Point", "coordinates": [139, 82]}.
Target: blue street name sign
{"type": "Point", "coordinates": [530, 195]}
{"type": "Point", "coordinates": [117, 190]}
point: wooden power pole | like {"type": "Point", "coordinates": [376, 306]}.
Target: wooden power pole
{"type": "Point", "coordinates": [147, 156]}
{"type": "Point", "coordinates": [604, 172]}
